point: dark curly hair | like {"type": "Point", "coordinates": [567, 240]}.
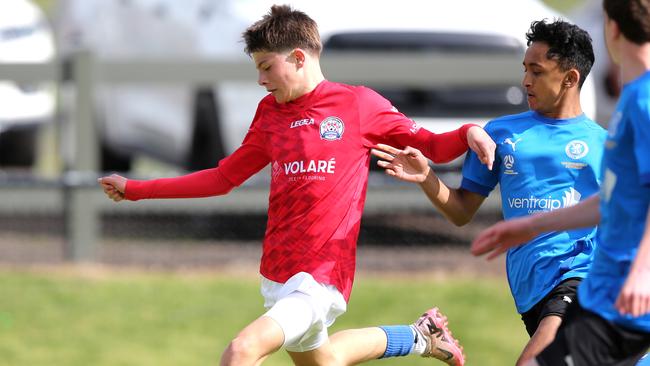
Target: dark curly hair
{"type": "Point", "coordinates": [632, 17]}
{"type": "Point", "coordinates": [568, 44]}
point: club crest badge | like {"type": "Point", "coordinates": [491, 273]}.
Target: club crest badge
{"type": "Point", "coordinates": [331, 129]}
{"type": "Point", "coordinates": [576, 149]}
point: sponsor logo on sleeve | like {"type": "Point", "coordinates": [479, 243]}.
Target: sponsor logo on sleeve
{"type": "Point", "coordinates": [414, 128]}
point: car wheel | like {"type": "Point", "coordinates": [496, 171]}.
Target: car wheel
{"type": "Point", "coordinates": [18, 147]}
{"type": "Point", "coordinates": [207, 146]}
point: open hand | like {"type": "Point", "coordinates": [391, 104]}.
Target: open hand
{"type": "Point", "coordinates": [408, 165]}
{"type": "Point", "coordinates": [502, 236]}
{"type": "Point", "coordinates": [634, 298]}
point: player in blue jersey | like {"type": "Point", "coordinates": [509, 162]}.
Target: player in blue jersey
{"type": "Point", "coordinates": [547, 158]}
{"type": "Point", "coordinates": [610, 322]}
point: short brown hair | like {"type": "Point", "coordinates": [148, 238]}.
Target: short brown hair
{"type": "Point", "coordinates": [283, 29]}
{"type": "Point", "coordinates": [632, 17]}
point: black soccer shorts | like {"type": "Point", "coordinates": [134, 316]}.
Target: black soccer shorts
{"type": "Point", "coordinates": [555, 303]}
{"type": "Point", "coordinates": [586, 339]}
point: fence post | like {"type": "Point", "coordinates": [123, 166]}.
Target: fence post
{"type": "Point", "coordinates": [79, 180]}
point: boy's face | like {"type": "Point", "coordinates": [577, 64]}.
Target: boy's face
{"type": "Point", "coordinates": [543, 79]}
{"type": "Point", "coordinates": [279, 74]}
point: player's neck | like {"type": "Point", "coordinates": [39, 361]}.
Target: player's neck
{"type": "Point", "coordinates": [635, 61]}
{"type": "Point", "coordinates": [312, 78]}
{"type": "Point", "coordinates": [567, 107]}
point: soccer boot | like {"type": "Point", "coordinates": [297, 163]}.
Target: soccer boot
{"type": "Point", "coordinates": [440, 343]}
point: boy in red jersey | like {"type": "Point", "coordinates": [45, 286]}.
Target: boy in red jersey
{"type": "Point", "coordinates": [317, 136]}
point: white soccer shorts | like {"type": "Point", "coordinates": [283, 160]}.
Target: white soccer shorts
{"type": "Point", "coordinates": [303, 308]}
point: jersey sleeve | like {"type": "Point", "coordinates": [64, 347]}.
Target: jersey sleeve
{"type": "Point", "coordinates": [231, 172]}
{"type": "Point", "coordinates": [477, 178]}
{"type": "Point", "coordinates": [248, 159]}
{"type": "Point", "coordinates": [383, 123]}
{"type": "Point", "coordinates": [204, 183]}
{"type": "Point", "coordinates": [640, 117]}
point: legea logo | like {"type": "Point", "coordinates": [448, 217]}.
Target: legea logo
{"type": "Point", "coordinates": [302, 122]}
{"type": "Point", "coordinates": [534, 204]}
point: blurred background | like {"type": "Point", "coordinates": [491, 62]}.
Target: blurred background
{"type": "Point", "coordinates": [155, 88]}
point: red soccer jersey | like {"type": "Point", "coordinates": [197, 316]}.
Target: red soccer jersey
{"type": "Point", "coordinates": [319, 150]}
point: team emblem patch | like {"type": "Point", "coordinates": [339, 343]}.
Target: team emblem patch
{"type": "Point", "coordinates": [576, 149]}
{"type": "Point", "coordinates": [508, 161]}
{"type": "Point", "coordinates": [331, 129]}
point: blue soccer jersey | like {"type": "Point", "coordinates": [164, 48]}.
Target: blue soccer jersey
{"type": "Point", "coordinates": [541, 164]}
{"type": "Point", "coordinates": [624, 202]}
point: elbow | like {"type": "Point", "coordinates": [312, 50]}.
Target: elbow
{"type": "Point", "coordinates": [460, 221]}
{"type": "Point", "coordinates": [460, 218]}
{"type": "Point", "coordinates": [225, 190]}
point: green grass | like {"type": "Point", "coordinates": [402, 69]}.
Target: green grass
{"type": "Point", "coordinates": [164, 319]}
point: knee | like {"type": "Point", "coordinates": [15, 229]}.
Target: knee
{"type": "Point", "coordinates": [526, 361]}
{"type": "Point", "coordinates": [241, 350]}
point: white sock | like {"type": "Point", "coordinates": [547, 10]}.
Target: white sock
{"type": "Point", "coordinates": [420, 344]}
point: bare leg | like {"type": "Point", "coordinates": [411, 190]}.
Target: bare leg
{"type": "Point", "coordinates": [543, 336]}
{"type": "Point", "coordinates": [322, 356]}
{"type": "Point", "coordinates": [354, 346]}
{"type": "Point", "coordinates": [254, 343]}
{"type": "Point", "coordinates": [344, 348]}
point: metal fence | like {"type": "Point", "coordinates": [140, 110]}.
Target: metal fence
{"type": "Point", "coordinates": [76, 194]}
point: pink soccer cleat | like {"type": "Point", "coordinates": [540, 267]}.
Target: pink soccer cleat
{"type": "Point", "coordinates": [440, 343]}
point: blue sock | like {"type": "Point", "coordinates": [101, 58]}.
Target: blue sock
{"type": "Point", "coordinates": [400, 339]}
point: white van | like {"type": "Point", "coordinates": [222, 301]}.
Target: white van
{"type": "Point", "coordinates": [195, 127]}
{"type": "Point", "coordinates": [25, 37]}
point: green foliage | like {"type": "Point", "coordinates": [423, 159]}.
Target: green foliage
{"type": "Point", "coordinates": [163, 319]}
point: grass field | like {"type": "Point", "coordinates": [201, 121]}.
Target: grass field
{"type": "Point", "coordinates": [112, 319]}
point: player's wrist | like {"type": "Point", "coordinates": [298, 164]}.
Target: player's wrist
{"type": "Point", "coordinates": [465, 131]}
{"type": "Point", "coordinates": [424, 176]}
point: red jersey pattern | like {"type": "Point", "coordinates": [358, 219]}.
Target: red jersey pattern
{"type": "Point", "coordinates": [319, 150]}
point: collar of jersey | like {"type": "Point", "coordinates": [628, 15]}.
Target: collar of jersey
{"type": "Point", "coordinates": [306, 99]}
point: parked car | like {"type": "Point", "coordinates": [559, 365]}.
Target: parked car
{"type": "Point", "coordinates": [25, 37]}
{"type": "Point", "coordinates": [195, 127]}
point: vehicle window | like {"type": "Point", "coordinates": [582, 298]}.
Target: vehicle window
{"type": "Point", "coordinates": [441, 101]}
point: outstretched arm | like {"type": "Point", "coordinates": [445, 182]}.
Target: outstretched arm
{"type": "Point", "coordinates": [204, 183]}
{"type": "Point", "coordinates": [247, 160]}
{"type": "Point", "coordinates": [410, 165]}
{"type": "Point", "coordinates": [634, 298]}
{"type": "Point", "coordinates": [507, 234]}
{"type": "Point", "coordinates": [444, 147]}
